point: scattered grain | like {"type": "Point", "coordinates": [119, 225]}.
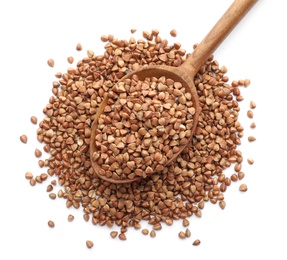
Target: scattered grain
{"type": "Point", "coordinates": [70, 59]}
{"type": "Point", "coordinates": [246, 82]}
{"type": "Point", "coordinates": [253, 125]}
{"type": "Point", "coordinates": [70, 217]}
{"type": "Point", "coordinates": [49, 188]}
{"type": "Point", "coordinates": [152, 234]}
{"type": "Point", "coordinates": [52, 196]}
{"type": "Point", "coordinates": [43, 176]}
{"type": "Point", "coordinates": [51, 62]}
{"type": "Point", "coordinates": [145, 231]}
{"type": "Point", "coordinates": [32, 182]}
{"type": "Point", "coordinates": [58, 75]}
{"type": "Point", "coordinates": [241, 175]}
{"type": "Point", "coordinates": [28, 175]}
{"type": "Point", "coordinates": [222, 204]}
{"type": "Point", "coordinates": [252, 105]}
{"type": "Point", "coordinates": [251, 138]}
{"type": "Point", "coordinates": [113, 234]}
{"type": "Point", "coordinates": [250, 161]}
{"type": "Point", "coordinates": [185, 222]}
{"type": "Point", "coordinates": [34, 120]}
{"type": "Point", "coordinates": [122, 236]}
{"type": "Point", "coordinates": [187, 233]}
{"type": "Point", "coordinates": [37, 153]}
{"type": "Point", "coordinates": [173, 33]}
{"type": "Point", "coordinates": [104, 38]}
{"type": "Point", "coordinates": [79, 47]}
{"type": "Point", "coordinates": [243, 187]}
{"type": "Point", "coordinates": [24, 139]}
{"type": "Point", "coordinates": [89, 244]}
{"type": "Point", "coordinates": [51, 224]}
{"type": "Point", "coordinates": [196, 242]}
{"type": "Point", "coordinates": [181, 235]}
{"type": "Point", "coordinates": [250, 114]}
{"type": "Point", "coordinates": [38, 179]}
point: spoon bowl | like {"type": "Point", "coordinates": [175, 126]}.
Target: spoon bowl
{"type": "Point", "coordinates": [178, 74]}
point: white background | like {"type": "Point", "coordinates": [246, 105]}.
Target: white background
{"type": "Point", "coordinates": [253, 224]}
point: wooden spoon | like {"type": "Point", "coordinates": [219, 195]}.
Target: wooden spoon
{"type": "Point", "coordinates": [184, 73]}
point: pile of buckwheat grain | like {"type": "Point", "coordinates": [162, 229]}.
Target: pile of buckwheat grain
{"type": "Point", "coordinates": [175, 192]}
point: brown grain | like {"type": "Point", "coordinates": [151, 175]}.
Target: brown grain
{"type": "Point", "coordinates": [49, 188]}
{"type": "Point", "coordinates": [113, 234]}
{"type": "Point", "coordinates": [28, 175]}
{"type": "Point", "coordinates": [181, 235]}
{"type": "Point", "coordinates": [52, 196]}
{"type": "Point", "coordinates": [243, 187]}
{"type": "Point", "coordinates": [251, 138]}
{"type": "Point", "coordinates": [152, 234]}
{"type": "Point", "coordinates": [90, 53]}
{"type": "Point", "coordinates": [89, 244]}
{"type": "Point", "coordinates": [70, 217]}
{"type": "Point", "coordinates": [37, 153]}
{"type": "Point", "coordinates": [104, 38]}
{"type": "Point", "coordinates": [234, 177]}
{"type": "Point", "coordinates": [222, 204]}
{"type": "Point", "coordinates": [157, 226]}
{"type": "Point", "coordinates": [250, 113]}
{"type": "Point", "coordinates": [58, 75]}
{"type": "Point", "coordinates": [51, 62]}
{"type": "Point", "coordinates": [86, 217]}
{"type": "Point", "coordinates": [246, 82]}
{"type": "Point", "coordinates": [196, 242]}
{"type": "Point", "coordinates": [250, 161]}
{"type": "Point", "coordinates": [43, 176]}
{"type": "Point", "coordinates": [252, 105]}
{"type": "Point", "coordinates": [70, 59]}
{"type": "Point", "coordinates": [24, 139]}
{"type": "Point", "coordinates": [241, 175]}
{"type": "Point", "coordinates": [32, 182]}
{"type": "Point", "coordinates": [54, 182]}
{"type": "Point", "coordinates": [185, 222]}
{"type": "Point", "coordinates": [122, 236]}
{"type": "Point", "coordinates": [173, 33]}
{"type": "Point", "coordinates": [79, 47]}
{"type": "Point", "coordinates": [238, 167]}
{"type": "Point", "coordinates": [34, 120]}
{"type": "Point", "coordinates": [137, 226]}
{"type": "Point", "coordinates": [51, 224]}
{"type": "Point", "coordinates": [253, 125]}
{"type": "Point", "coordinates": [145, 231]}
{"type": "Point", "coordinates": [41, 163]}
{"type": "Point", "coordinates": [38, 179]}
{"type": "Point", "coordinates": [187, 233]}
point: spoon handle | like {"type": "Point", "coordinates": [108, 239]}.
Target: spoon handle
{"type": "Point", "coordinates": [217, 34]}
